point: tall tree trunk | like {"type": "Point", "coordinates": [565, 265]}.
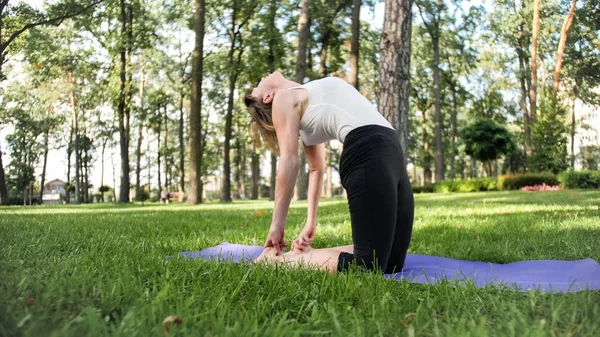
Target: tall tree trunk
{"type": "Point", "coordinates": [76, 140]}
{"type": "Point", "coordinates": [3, 189]}
{"type": "Point", "coordinates": [355, 44]}
{"type": "Point", "coordinates": [303, 34]}
{"type": "Point", "coordinates": [426, 156]}
{"type": "Point", "coordinates": [394, 67]}
{"type": "Point", "coordinates": [138, 150]}
{"type": "Point", "coordinates": [328, 185]}
{"type": "Point", "coordinates": [195, 144]}
{"type": "Point", "coordinates": [181, 146]}
{"type": "Point", "coordinates": [226, 183]}
{"type": "Point", "coordinates": [69, 152]}
{"type": "Point", "coordinates": [573, 134]}
{"type": "Point", "coordinates": [561, 45]}
{"type": "Point", "coordinates": [242, 188]}
{"type": "Point", "coordinates": [522, 81]}
{"type": "Point", "coordinates": [148, 162]}
{"type": "Point", "coordinates": [122, 109]}
{"type": "Point", "coordinates": [273, 177]}
{"type": "Point", "coordinates": [46, 149]}
{"type": "Point", "coordinates": [86, 180]}
{"type": "Point", "coordinates": [158, 155]}
{"type": "Point", "coordinates": [166, 150]}
{"type": "Point", "coordinates": [453, 132]}
{"type": "Point", "coordinates": [102, 170]}
{"type": "Point", "coordinates": [255, 167]}
{"type": "Point", "coordinates": [439, 146]}
{"type": "Point", "coordinates": [534, 48]}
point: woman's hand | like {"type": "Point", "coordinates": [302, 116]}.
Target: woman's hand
{"type": "Point", "coordinates": [304, 241]}
{"type": "Point", "coordinates": [275, 239]}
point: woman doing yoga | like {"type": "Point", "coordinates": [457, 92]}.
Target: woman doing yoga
{"type": "Point", "coordinates": [372, 171]}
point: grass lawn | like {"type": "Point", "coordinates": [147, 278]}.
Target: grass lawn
{"type": "Point", "coordinates": [101, 270]}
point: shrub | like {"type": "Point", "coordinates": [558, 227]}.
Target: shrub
{"type": "Point", "coordinates": [473, 185]}
{"type": "Point", "coordinates": [515, 182]}
{"type": "Point", "coordinates": [580, 179]}
{"type": "Point", "coordinates": [423, 189]}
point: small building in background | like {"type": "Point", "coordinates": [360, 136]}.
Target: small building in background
{"type": "Point", "coordinates": [54, 192]}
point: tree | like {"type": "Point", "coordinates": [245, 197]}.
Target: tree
{"type": "Point", "coordinates": [303, 35]}
{"type": "Point", "coordinates": [195, 135]}
{"type": "Point", "coordinates": [534, 48]}
{"type": "Point", "coordinates": [486, 140]}
{"type": "Point", "coordinates": [561, 46]}
{"type": "Point", "coordinates": [434, 13]}
{"type": "Point", "coordinates": [16, 20]}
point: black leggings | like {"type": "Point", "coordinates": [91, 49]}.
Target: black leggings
{"type": "Point", "coordinates": [380, 199]}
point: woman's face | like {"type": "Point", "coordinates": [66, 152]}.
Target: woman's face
{"type": "Point", "coordinates": [268, 86]}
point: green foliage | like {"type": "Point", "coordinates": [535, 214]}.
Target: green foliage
{"type": "Point", "coordinates": [549, 139]}
{"type": "Point", "coordinates": [579, 179]}
{"type": "Point", "coordinates": [515, 182]}
{"type": "Point", "coordinates": [428, 188]}
{"type": "Point", "coordinates": [590, 157]}
{"type": "Point", "coordinates": [486, 140]}
{"type": "Point", "coordinates": [473, 185]}
{"type": "Point", "coordinates": [103, 188]}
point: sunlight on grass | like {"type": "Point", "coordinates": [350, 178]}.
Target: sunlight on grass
{"type": "Point", "coordinates": [102, 270]}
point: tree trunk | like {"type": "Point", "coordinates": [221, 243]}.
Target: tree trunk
{"type": "Point", "coordinates": [3, 189]}
{"type": "Point", "coordinates": [86, 180]}
{"type": "Point", "coordinates": [394, 67]}
{"type": "Point", "coordinates": [573, 135]}
{"type": "Point", "coordinates": [273, 179]}
{"type": "Point", "coordinates": [255, 167]}
{"type": "Point", "coordinates": [328, 185]}
{"type": "Point", "coordinates": [181, 146]}
{"type": "Point", "coordinates": [166, 150]}
{"type": "Point", "coordinates": [355, 44]}
{"type": "Point", "coordinates": [123, 111]}
{"type": "Point", "coordinates": [46, 149]}
{"type": "Point", "coordinates": [534, 48]}
{"type": "Point", "coordinates": [76, 140]}
{"type": "Point", "coordinates": [158, 153]}
{"type": "Point", "coordinates": [453, 132]}
{"type": "Point", "coordinates": [439, 146]}
{"type": "Point", "coordinates": [523, 88]}
{"type": "Point", "coordinates": [303, 35]}
{"type": "Point", "coordinates": [426, 157]}
{"type": "Point", "coordinates": [226, 183]}
{"type": "Point", "coordinates": [196, 148]}
{"type": "Point", "coordinates": [102, 170]}
{"type": "Point", "coordinates": [69, 151]}
{"type": "Point", "coordinates": [148, 161]}
{"type": "Point", "coordinates": [138, 151]}
{"type": "Point", "coordinates": [561, 45]}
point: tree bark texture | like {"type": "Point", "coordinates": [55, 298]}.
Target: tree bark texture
{"type": "Point", "coordinates": [75, 139]}
{"type": "Point", "coordinates": [123, 112]}
{"type": "Point", "coordinates": [303, 35]}
{"type": "Point", "coordinates": [3, 189]}
{"type": "Point", "coordinates": [561, 45]}
{"type": "Point", "coordinates": [394, 67]}
{"type": "Point", "coordinates": [181, 146]}
{"type": "Point", "coordinates": [355, 44]}
{"type": "Point", "coordinates": [138, 151]}
{"type": "Point", "coordinates": [534, 48]}
{"type": "Point", "coordinates": [195, 137]}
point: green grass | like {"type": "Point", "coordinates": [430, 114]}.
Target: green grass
{"type": "Point", "coordinates": [101, 270]}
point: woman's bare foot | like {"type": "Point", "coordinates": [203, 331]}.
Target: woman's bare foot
{"type": "Point", "coordinates": [268, 254]}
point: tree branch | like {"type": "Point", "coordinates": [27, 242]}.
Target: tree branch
{"type": "Point", "coordinates": [54, 21]}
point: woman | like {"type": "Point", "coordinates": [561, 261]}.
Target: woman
{"type": "Point", "coordinates": [372, 171]}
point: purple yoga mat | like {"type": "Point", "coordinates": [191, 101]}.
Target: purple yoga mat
{"type": "Point", "coordinates": [547, 275]}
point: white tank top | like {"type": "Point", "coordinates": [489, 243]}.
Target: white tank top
{"type": "Point", "coordinates": [335, 108]}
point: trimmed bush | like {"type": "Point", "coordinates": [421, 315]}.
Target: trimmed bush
{"type": "Point", "coordinates": [579, 179]}
{"type": "Point", "coordinates": [473, 185]}
{"type": "Point", "coordinates": [423, 189]}
{"type": "Point", "coordinates": [516, 182]}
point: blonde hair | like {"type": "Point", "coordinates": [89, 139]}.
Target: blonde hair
{"type": "Point", "coordinates": [261, 129]}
